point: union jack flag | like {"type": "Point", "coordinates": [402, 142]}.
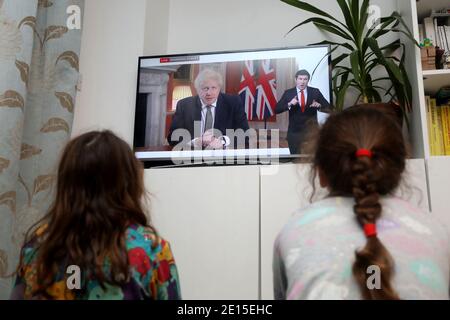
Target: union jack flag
{"type": "Point", "coordinates": [266, 90]}
{"type": "Point", "coordinates": [258, 89]}
{"type": "Point", "coordinates": [247, 89]}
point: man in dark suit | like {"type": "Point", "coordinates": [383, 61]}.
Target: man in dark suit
{"type": "Point", "coordinates": [208, 115]}
{"type": "Point", "coordinates": [302, 102]}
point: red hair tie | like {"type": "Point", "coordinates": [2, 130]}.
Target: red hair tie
{"type": "Point", "coordinates": [363, 153]}
{"type": "Point", "coordinates": [370, 230]}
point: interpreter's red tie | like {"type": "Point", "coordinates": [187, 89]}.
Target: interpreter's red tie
{"type": "Point", "coordinates": [302, 100]}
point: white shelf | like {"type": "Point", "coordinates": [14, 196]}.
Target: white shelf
{"type": "Point", "coordinates": [439, 72]}
{"type": "Point", "coordinates": [433, 80]}
{"type": "Point", "coordinates": [424, 7]}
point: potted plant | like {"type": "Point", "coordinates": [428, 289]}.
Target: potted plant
{"type": "Point", "coordinates": [361, 53]}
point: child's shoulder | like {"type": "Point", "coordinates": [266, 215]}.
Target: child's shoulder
{"type": "Point", "coordinates": [138, 236]}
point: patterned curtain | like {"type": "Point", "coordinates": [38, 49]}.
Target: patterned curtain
{"type": "Point", "coordinates": [39, 49]}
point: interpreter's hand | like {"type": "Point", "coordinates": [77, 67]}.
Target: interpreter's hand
{"type": "Point", "coordinates": [315, 104]}
{"type": "Point", "coordinates": [293, 102]}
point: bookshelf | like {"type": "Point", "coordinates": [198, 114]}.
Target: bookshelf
{"type": "Point", "coordinates": [424, 82]}
{"type": "Point", "coordinates": [434, 79]}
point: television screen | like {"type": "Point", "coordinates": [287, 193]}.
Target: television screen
{"type": "Point", "coordinates": [227, 107]}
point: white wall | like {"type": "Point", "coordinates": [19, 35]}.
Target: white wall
{"type": "Point", "coordinates": [202, 25]}
{"type": "Point", "coordinates": [116, 32]}
{"type": "Point", "coordinates": [112, 41]}
{"type": "Point", "coordinates": [215, 25]}
{"type": "Point", "coordinates": [156, 27]}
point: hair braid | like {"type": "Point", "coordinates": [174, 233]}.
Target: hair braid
{"type": "Point", "coordinates": [367, 209]}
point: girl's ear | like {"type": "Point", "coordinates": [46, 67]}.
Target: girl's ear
{"type": "Point", "coordinates": [322, 178]}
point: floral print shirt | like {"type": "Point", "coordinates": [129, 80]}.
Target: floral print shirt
{"type": "Point", "coordinates": [153, 273]}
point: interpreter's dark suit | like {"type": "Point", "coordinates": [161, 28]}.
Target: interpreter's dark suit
{"type": "Point", "coordinates": [229, 114]}
{"type": "Point", "coordinates": [297, 119]}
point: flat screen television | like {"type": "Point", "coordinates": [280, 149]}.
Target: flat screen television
{"type": "Point", "coordinates": [229, 107]}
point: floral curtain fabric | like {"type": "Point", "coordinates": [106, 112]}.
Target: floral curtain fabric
{"type": "Point", "coordinates": [39, 69]}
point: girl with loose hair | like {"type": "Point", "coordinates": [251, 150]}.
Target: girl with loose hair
{"type": "Point", "coordinates": [98, 226]}
{"type": "Point", "coordinates": [361, 242]}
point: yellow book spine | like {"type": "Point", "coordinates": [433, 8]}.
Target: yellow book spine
{"type": "Point", "coordinates": [429, 124]}
{"type": "Point", "coordinates": [434, 139]}
{"type": "Point", "coordinates": [440, 135]}
{"type": "Point", "coordinates": [446, 128]}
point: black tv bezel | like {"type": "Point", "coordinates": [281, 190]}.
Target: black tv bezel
{"type": "Point", "coordinates": [164, 162]}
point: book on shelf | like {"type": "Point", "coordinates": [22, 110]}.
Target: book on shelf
{"type": "Point", "coordinates": [429, 30]}
{"type": "Point", "coordinates": [438, 121]}
{"type": "Point", "coordinates": [429, 124]}
{"type": "Point", "coordinates": [436, 28]}
{"type": "Point", "coordinates": [446, 128]}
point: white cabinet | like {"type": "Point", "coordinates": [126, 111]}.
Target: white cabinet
{"type": "Point", "coordinates": [210, 216]}
{"type": "Point", "coordinates": [222, 222]}
{"type": "Point", "coordinates": [439, 182]}
{"type": "Point", "coordinates": [282, 193]}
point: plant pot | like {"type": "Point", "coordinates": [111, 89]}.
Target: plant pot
{"type": "Point", "coordinates": [394, 111]}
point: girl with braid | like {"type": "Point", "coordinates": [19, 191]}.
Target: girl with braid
{"type": "Point", "coordinates": [361, 242]}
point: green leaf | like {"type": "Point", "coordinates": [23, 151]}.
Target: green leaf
{"type": "Point", "coordinates": [390, 66]}
{"type": "Point", "coordinates": [381, 79]}
{"type": "Point", "coordinates": [381, 26]}
{"type": "Point", "coordinates": [331, 29]}
{"type": "Point", "coordinates": [340, 96]}
{"type": "Point", "coordinates": [395, 70]}
{"type": "Point", "coordinates": [355, 9]}
{"type": "Point", "coordinates": [315, 20]}
{"type": "Point", "coordinates": [364, 15]}
{"type": "Point", "coordinates": [344, 78]}
{"type": "Point", "coordinates": [407, 87]}
{"type": "Point", "coordinates": [338, 59]}
{"type": "Point", "coordinates": [349, 21]}
{"type": "Point", "coordinates": [373, 64]}
{"type": "Point", "coordinates": [373, 44]}
{"type": "Point", "coordinates": [388, 91]}
{"type": "Point", "coordinates": [394, 45]}
{"type": "Point", "coordinates": [402, 22]}
{"type": "Point", "coordinates": [310, 8]}
{"type": "Point", "coordinates": [408, 35]}
{"type": "Point", "coordinates": [343, 44]}
{"type": "Point", "coordinates": [354, 62]}
{"type": "Point", "coordinates": [393, 58]}
{"type": "Point", "coordinates": [373, 95]}
{"type": "Point", "coordinates": [320, 61]}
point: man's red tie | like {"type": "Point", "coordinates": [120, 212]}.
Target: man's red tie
{"type": "Point", "coordinates": [302, 100]}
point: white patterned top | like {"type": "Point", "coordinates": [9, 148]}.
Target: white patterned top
{"type": "Point", "coordinates": [315, 251]}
